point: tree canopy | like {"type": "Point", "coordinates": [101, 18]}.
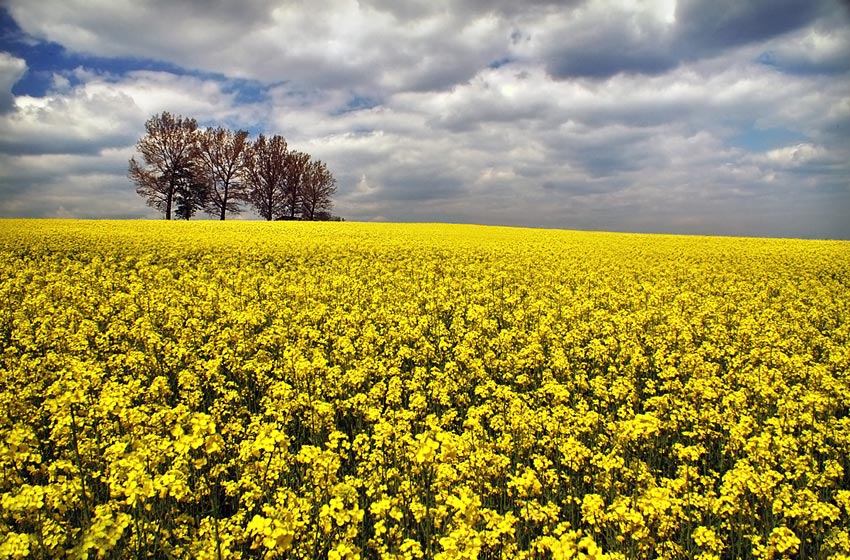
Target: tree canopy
{"type": "Point", "coordinates": [168, 149]}
{"type": "Point", "coordinates": [184, 169]}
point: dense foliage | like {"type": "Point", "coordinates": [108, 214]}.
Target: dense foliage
{"type": "Point", "coordinates": [318, 390]}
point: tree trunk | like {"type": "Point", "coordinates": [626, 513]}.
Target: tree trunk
{"type": "Point", "coordinates": [224, 204]}
{"type": "Point", "coordinates": [170, 197]}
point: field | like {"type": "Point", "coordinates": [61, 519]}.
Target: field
{"type": "Point", "coordinates": [305, 390]}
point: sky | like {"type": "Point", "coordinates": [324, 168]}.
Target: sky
{"type": "Point", "coordinates": [722, 117]}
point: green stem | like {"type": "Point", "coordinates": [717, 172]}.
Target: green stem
{"type": "Point", "coordinates": [79, 466]}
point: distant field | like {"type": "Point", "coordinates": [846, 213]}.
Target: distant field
{"type": "Point", "coordinates": [343, 390]}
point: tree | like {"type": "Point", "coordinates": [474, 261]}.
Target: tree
{"type": "Point", "coordinates": [191, 193]}
{"type": "Point", "coordinates": [265, 172]}
{"type": "Point", "coordinates": [183, 170]}
{"type": "Point", "coordinates": [297, 164]}
{"type": "Point", "coordinates": [222, 159]}
{"type": "Point", "coordinates": [168, 150]}
{"type": "Point", "coordinates": [316, 192]}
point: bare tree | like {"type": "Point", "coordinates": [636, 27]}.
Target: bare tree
{"type": "Point", "coordinates": [191, 193]}
{"type": "Point", "coordinates": [265, 173]}
{"type": "Point", "coordinates": [297, 164]}
{"type": "Point", "coordinates": [222, 160]}
{"type": "Point", "coordinates": [184, 170]}
{"type": "Point", "coordinates": [168, 150]}
{"type": "Point", "coordinates": [316, 192]}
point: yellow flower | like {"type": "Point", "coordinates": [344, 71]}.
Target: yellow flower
{"type": "Point", "coordinates": [706, 538]}
{"type": "Point", "coordinates": [406, 391]}
{"type": "Point", "coordinates": [592, 508]}
{"type": "Point", "coordinates": [783, 540]}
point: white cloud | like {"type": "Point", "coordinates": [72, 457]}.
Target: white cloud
{"type": "Point", "coordinates": [106, 110]}
{"type": "Point", "coordinates": [819, 48]}
{"type": "Point", "coordinates": [333, 44]}
{"type": "Point", "coordinates": [11, 70]}
{"type": "Point", "coordinates": [69, 149]}
{"type": "Point", "coordinates": [80, 121]}
{"type": "Point", "coordinates": [795, 156]}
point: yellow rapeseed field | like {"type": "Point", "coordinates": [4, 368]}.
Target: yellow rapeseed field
{"type": "Point", "coordinates": [341, 391]}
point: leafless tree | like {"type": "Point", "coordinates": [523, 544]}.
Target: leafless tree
{"type": "Point", "coordinates": [297, 164]}
{"type": "Point", "coordinates": [191, 193]}
{"type": "Point", "coordinates": [265, 175]}
{"type": "Point", "coordinates": [316, 192]}
{"type": "Point", "coordinates": [184, 170]}
{"type": "Point", "coordinates": [222, 160]}
{"type": "Point", "coordinates": [168, 149]}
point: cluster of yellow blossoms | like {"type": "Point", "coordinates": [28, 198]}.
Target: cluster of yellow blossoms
{"type": "Point", "coordinates": [342, 391]}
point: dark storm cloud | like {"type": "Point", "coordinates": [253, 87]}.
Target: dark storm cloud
{"type": "Point", "coordinates": [609, 44]}
{"type": "Point", "coordinates": [709, 25]}
{"type": "Point", "coordinates": [418, 183]}
{"type": "Point", "coordinates": [57, 145]}
{"type": "Point", "coordinates": [581, 188]}
{"type": "Point", "coordinates": [621, 58]}
{"type": "Point", "coordinates": [614, 43]}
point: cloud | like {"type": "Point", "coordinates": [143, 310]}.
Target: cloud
{"type": "Point", "coordinates": [69, 149]}
{"type": "Point", "coordinates": [724, 24]}
{"type": "Point", "coordinates": [334, 44]}
{"type": "Point", "coordinates": [83, 122]}
{"type": "Point", "coordinates": [816, 166]}
{"type": "Point", "coordinates": [87, 186]}
{"type": "Point", "coordinates": [600, 40]}
{"type": "Point", "coordinates": [822, 49]}
{"type": "Point", "coordinates": [11, 70]}
{"type": "Point", "coordinates": [425, 46]}
{"type": "Point", "coordinates": [107, 111]}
